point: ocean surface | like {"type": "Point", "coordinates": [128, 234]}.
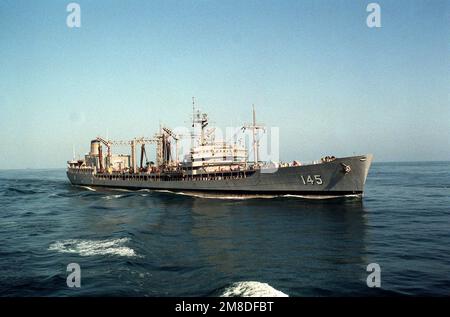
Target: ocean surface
{"type": "Point", "coordinates": [164, 244]}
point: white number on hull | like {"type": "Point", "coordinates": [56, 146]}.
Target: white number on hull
{"type": "Point", "coordinates": [312, 180]}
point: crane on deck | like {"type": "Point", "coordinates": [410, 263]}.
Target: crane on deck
{"type": "Point", "coordinates": [132, 143]}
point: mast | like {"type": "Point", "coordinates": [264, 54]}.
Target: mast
{"type": "Point", "coordinates": [193, 111]}
{"type": "Point", "coordinates": [133, 155]}
{"type": "Point", "coordinates": [201, 119]}
{"type": "Point", "coordinates": [254, 127]}
{"type": "Point", "coordinates": [255, 145]}
{"type": "Point", "coordinates": [159, 147]}
{"type": "Point", "coordinates": [193, 123]}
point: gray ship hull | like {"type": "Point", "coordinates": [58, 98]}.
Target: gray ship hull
{"type": "Point", "coordinates": [323, 179]}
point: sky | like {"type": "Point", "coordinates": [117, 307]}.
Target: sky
{"type": "Point", "coordinates": [314, 69]}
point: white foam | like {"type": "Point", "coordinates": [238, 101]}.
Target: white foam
{"type": "Point", "coordinates": [93, 247]}
{"type": "Point", "coordinates": [323, 196]}
{"type": "Point", "coordinates": [207, 195]}
{"type": "Point", "coordinates": [252, 289]}
{"type": "Point", "coordinates": [221, 196]}
{"type": "Point", "coordinates": [112, 196]}
{"type": "Point", "coordinates": [164, 191]}
{"type": "Point", "coordinates": [121, 189]}
{"type": "Point", "coordinates": [89, 188]}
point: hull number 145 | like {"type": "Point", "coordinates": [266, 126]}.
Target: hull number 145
{"type": "Point", "coordinates": [311, 180]}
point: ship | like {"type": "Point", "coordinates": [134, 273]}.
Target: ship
{"type": "Point", "coordinates": [215, 167]}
